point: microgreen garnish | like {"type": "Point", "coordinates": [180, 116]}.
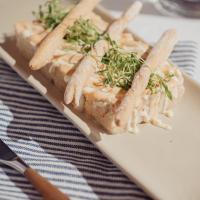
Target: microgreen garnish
{"type": "Point", "coordinates": [83, 33]}
{"type": "Point", "coordinates": [119, 68]}
{"type": "Point", "coordinates": [158, 83]}
{"type": "Point", "coordinates": [51, 14]}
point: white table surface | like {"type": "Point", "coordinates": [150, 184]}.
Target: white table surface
{"type": "Point", "coordinates": [151, 23]}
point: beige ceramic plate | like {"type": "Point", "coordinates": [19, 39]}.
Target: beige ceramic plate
{"type": "Point", "coordinates": [166, 164]}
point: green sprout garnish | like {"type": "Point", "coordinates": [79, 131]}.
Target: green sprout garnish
{"type": "Point", "coordinates": [158, 83]}
{"type": "Point", "coordinates": [119, 68]}
{"type": "Point", "coordinates": [51, 14]}
{"type": "Point", "coordinates": [84, 34]}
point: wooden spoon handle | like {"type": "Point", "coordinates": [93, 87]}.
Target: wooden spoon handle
{"type": "Point", "coordinates": [47, 190]}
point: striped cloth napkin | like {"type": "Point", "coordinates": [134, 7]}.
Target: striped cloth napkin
{"type": "Point", "coordinates": [52, 145]}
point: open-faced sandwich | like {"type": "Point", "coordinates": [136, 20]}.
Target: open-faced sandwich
{"type": "Point", "coordinates": [100, 68]}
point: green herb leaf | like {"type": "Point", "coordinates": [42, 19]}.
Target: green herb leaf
{"type": "Point", "coordinates": [158, 83]}
{"type": "Point", "coordinates": [50, 14]}
{"type": "Point", "coordinates": [112, 43]}
{"type": "Point", "coordinates": [167, 91]}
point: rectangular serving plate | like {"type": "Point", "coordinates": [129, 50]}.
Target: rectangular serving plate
{"type": "Point", "coordinates": [164, 163]}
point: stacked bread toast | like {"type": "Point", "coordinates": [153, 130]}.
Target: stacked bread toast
{"type": "Point", "coordinates": [102, 69]}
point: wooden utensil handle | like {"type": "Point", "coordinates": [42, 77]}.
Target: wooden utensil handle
{"type": "Point", "coordinates": [47, 190]}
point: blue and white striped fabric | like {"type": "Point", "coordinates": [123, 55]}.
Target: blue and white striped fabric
{"type": "Point", "coordinates": [52, 145]}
